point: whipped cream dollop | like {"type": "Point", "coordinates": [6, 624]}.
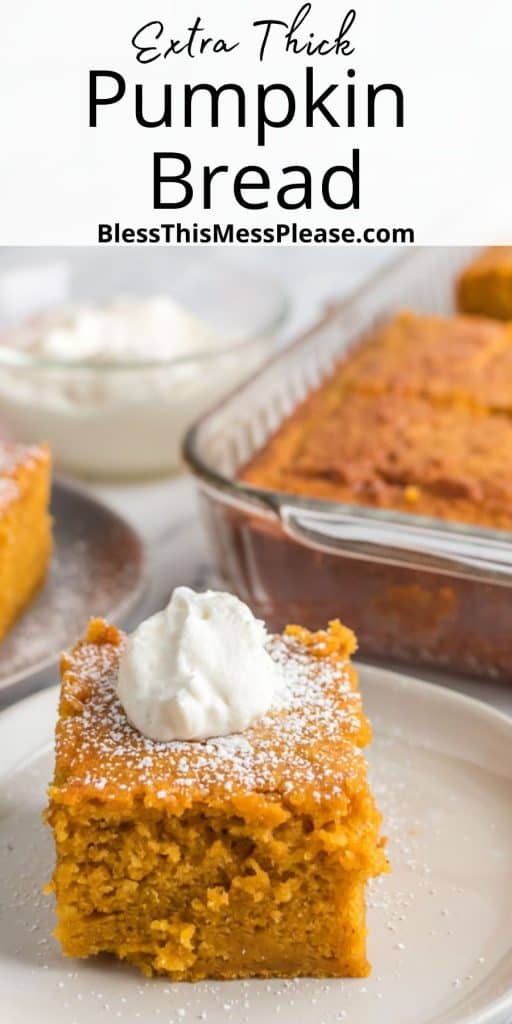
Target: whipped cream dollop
{"type": "Point", "coordinates": [122, 330]}
{"type": "Point", "coordinates": [197, 669]}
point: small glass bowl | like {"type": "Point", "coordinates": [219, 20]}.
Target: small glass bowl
{"type": "Point", "coordinates": [126, 420]}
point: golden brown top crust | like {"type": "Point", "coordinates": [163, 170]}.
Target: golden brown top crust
{"type": "Point", "coordinates": [409, 456]}
{"type": "Point", "coordinates": [303, 753]}
{"type": "Point", "coordinates": [485, 286]}
{"type": "Point", "coordinates": [441, 358]}
{"type": "Point", "coordinates": [407, 422]}
{"type": "Point", "coordinates": [495, 257]}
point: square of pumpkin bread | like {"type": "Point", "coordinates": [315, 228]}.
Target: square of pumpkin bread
{"type": "Point", "coordinates": [485, 286]}
{"type": "Point", "coordinates": [242, 856]}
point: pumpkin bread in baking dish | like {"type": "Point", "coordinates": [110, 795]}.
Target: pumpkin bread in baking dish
{"type": "Point", "coordinates": [485, 286]}
{"type": "Point", "coordinates": [417, 418]}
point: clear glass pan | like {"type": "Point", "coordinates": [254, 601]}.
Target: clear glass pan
{"type": "Point", "coordinates": [414, 589]}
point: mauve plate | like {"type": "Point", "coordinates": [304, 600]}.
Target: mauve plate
{"type": "Point", "coordinates": [97, 569]}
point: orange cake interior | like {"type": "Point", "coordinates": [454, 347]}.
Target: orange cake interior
{"type": "Point", "coordinates": [25, 527]}
{"type": "Point", "coordinates": [246, 855]}
{"type": "Point", "coordinates": [485, 286]}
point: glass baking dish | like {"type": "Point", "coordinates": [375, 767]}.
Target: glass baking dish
{"type": "Point", "coordinates": [414, 589]}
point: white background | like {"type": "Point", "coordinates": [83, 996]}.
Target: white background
{"type": "Point", "coordinates": [446, 173]}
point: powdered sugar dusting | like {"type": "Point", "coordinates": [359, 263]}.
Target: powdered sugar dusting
{"type": "Point", "coordinates": [307, 741]}
{"type": "Point", "coordinates": [442, 816]}
{"type": "Point", "coordinates": [8, 491]}
{"type": "Point", "coordinates": [12, 457]}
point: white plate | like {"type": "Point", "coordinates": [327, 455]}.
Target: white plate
{"type": "Point", "coordinates": [440, 924]}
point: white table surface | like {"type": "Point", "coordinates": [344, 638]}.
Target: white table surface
{"type": "Point", "coordinates": [165, 512]}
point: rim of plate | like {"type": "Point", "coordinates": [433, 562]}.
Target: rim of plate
{"type": "Point", "coordinates": [119, 611]}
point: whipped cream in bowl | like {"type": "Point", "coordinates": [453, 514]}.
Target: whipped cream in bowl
{"type": "Point", "coordinates": [198, 669]}
{"type": "Point", "coordinates": [120, 332]}
{"type": "Point", "coordinates": [113, 385]}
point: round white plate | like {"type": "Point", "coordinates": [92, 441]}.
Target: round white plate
{"type": "Point", "coordinates": [440, 925]}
